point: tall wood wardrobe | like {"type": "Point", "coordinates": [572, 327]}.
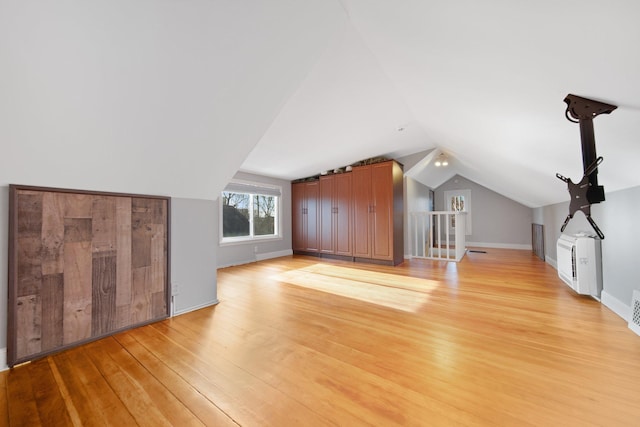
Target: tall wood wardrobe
{"type": "Point", "coordinates": [355, 215]}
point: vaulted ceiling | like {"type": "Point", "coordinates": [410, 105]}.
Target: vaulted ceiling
{"type": "Point", "coordinates": [173, 97]}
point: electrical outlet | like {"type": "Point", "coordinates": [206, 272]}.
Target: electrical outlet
{"type": "Point", "coordinates": [175, 289]}
{"type": "Point", "coordinates": [255, 249]}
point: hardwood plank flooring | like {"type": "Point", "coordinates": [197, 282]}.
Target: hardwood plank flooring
{"type": "Point", "coordinates": [495, 340]}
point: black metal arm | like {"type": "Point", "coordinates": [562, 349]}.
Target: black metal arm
{"type": "Point", "coordinates": [587, 191]}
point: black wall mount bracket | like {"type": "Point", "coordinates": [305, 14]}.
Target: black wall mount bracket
{"type": "Point", "coordinates": [587, 191]}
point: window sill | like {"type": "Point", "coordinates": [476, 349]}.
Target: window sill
{"type": "Point", "coordinates": [247, 241]}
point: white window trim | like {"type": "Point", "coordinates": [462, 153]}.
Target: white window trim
{"type": "Point", "coordinates": [240, 240]}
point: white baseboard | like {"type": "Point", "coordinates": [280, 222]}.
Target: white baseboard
{"type": "Point", "coordinates": [258, 257]}
{"type": "Point", "coordinates": [552, 262]}
{"type": "Point", "coordinates": [3, 359]}
{"type": "Point", "coordinates": [277, 254]}
{"type": "Point", "coordinates": [615, 305]}
{"type": "Point", "coordinates": [197, 307]}
{"type": "Point", "coordinates": [239, 262]}
{"type": "Point", "coordinates": [499, 245]}
{"type": "Point", "coordinates": [606, 299]}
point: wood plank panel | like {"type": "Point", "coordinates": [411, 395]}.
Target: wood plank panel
{"type": "Point", "coordinates": [53, 233]}
{"type": "Point", "coordinates": [158, 258]}
{"type": "Point", "coordinates": [29, 260]}
{"type": "Point", "coordinates": [30, 217]}
{"type": "Point", "coordinates": [123, 261]}
{"type": "Point", "coordinates": [52, 311]}
{"type": "Point", "coordinates": [77, 230]}
{"type": "Point", "coordinates": [158, 304]}
{"type": "Point", "coordinates": [73, 256]}
{"type": "Point", "coordinates": [103, 224]}
{"type": "Point", "coordinates": [78, 205]}
{"type": "Point", "coordinates": [28, 327]}
{"type": "Point", "coordinates": [141, 297]}
{"type": "Point", "coordinates": [77, 294]}
{"type": "Point", "coordinates": [103, 295]}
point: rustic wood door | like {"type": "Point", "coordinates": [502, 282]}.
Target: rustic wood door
{"type": "Point", "coordinates": [83, 265]}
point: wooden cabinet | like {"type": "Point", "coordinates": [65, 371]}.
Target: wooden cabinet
{"type": "Point", "coordinates": [361, 212]}
{"type": "Point", "coordinates": [305, 216]}
{"type": "Point", "coordinates": [357, 214]}
{"type": "Point", "coordinates": [335, 214]}
{"type": "Point", "coordinates": [378, 209]}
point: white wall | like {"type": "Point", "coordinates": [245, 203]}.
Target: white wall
{"type": "Point", "coordinates": [416, 199]}
{"type": "Point", "coordinates": [617, 217]}
{"type": "Point", "coordinates": [245, 252]}
{"type": "Point", "coordinates": [146, 96]}
{"type": "Point", "coordinates": [194, 236]}
{"type": "Point", "coordinates": [4, 263]}
{"type": "Point", "coordinates": [496, 220]}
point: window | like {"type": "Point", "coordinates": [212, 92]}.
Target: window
{"type": "Point", "coordinates": [459, 201]}
{"type": "Point", "coordinates": [249, 212]}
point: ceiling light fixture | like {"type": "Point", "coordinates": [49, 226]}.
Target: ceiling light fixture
{"type": "Point", "coordinates": [442, 160]}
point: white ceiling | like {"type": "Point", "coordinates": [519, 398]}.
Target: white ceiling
{"type": "Point", "coordinates": [166, 97]}
{"type": "Point", "coordinates": [482, 81]}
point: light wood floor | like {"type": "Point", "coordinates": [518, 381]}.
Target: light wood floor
{"type": "Point", "coordinates": [495, 340]}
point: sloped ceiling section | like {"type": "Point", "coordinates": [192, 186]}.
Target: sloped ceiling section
{"type": "Point", "coordinates": [483, 82]}
{"type": "Point", "coordinates": [346, 110]}
{"type": "Point", "coordinates": [151, 96]}
{"type": "Point", "coordinates": [173, 97]}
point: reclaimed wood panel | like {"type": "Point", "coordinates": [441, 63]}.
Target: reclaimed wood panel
{"type": "Point", "coordinates": [83, 265]}
{"type": "Point", "coordinates": [29, 314]}
{"type": "Point", "coordinates": [77, 230]}
{"type": "Point", "coordinates": [77, 295]}
{"type": "Point", "coordinates": [52, 310]}
{"type": "Point", "coordinates": [141, 297]}
{"type": "Point", "coordinates": [52, 234]}
{"type": "Point", "coordinates": [29, 265]}
{"type": "Point", "coordinates": [123, 257]}
{"type": "Point", "coordinates": [103, 295]}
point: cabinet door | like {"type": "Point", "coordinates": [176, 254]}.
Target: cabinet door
{"type": "Point", "coordinates": [326, 213]}
{"type": "Point", "coordinates": [342, 223]}
{"type": "Point", "coordinates": [298, 216]}
{"type": "Point", "coordinates": [361, 211]}
{"type": "Point", "coordinates": [312, 196]}
{"type": "Point", "coordinates": [382, 215]}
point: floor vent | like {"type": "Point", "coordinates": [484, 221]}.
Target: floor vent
{"type": "Point", "coordinates": [634, 320]}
